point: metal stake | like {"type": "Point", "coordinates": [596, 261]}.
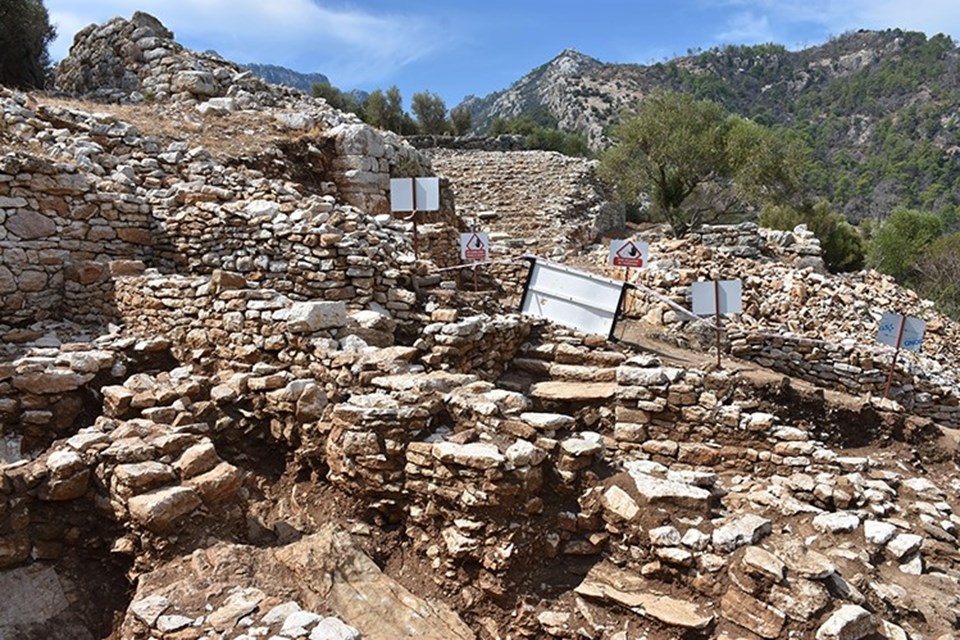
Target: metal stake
{"type": "Point", "coordinates": [896, 352]}
{"type": "Point", "coordinates": [716, 308]}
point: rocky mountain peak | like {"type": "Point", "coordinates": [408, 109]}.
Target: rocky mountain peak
{"type": "Point", "coordinates": [571, 62]}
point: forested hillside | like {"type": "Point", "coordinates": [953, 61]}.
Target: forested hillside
{"type": "Point", "coordinates": [879, 111]}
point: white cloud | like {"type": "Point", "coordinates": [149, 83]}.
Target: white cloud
{"type": "Point", "coordinates": [838, 16]}
{"type": "Point", "coordinates": [352, 46]}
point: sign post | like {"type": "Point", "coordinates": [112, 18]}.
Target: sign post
{"type": "Point", "coordinates": [475, 247]}
{"type": "Point", "coordinates": [717, 298]}
{"type": "Point", "coordinates": [414, 194]}
{"type": "Point", "coordinates": [899, 332]}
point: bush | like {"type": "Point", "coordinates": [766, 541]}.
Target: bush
{"type": "Point", "coordinates": [937, 273]}
{"type": "Point", "coordinates": [842, 246]}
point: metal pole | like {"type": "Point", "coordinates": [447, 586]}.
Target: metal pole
{"type": "Point", "coordinates": [896, 352]}
{"type": "Point", "coordinates": [416, 240]}
{"type": "Point", "coordinates": [716, 308]}
{"type": "Point", "coordinates": [626, 274]}
{"type": "Point", "coordinates": [475, 287]}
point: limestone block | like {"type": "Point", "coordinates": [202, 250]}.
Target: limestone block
{"type": "Point", "coordinates": [849, 622]}
{"type": "Point", "coordinates": [477, 455]}
{"type": "Point", "coordinates": [750, 613]}
{"type": "Point", "coordinates": [619, 502]}
{"type": "Point", "coordinates": [199, 83]}
{"type": "Point", "coordinates": [759, 561]}
{"type": "Point", "coordinates": [197, 459]}
{"type": "Point", "coordinates": [219, 484]}
{"type": "Point", "coordinates": [141, 476]}
{"type": "Point", "coordinates": [739, 531]}
{"type": "Point", "coordinates": [522, 453]}
{"type": "Point", "coordinates": [307, 317]}
{"type": "Point", "coordinates": [159, 510]}
{"type": "Point", "coordinates": [52, 381]}
{"type": "Point", "coordinates": [839, 522]}
{"type": "Point", "coordinates": [30, 225]}
{"type": "Point", "coordinates": [654, 490]}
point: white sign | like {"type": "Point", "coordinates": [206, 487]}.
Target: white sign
{"type": "Point", "coordinates": [403, 190]}
{"type": "Point", "coordinates": [889, 332]}
{"type": "Point", "coordinates": [628, 253]}
{"type": "Point", "coordinates": [474, 246]}
{"type": "Point", "coordinates": [573, 298]}
{"type": "Point", "coordinates": [710, 298]}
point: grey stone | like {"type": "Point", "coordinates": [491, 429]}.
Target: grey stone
{"type": "Point", "coordinates": [740, 531]}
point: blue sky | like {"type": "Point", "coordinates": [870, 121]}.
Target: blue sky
{"type": "Point", "coordinates": [456, 48]}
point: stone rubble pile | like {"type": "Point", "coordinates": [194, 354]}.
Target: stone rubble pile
{"type": "Point", "coordinates": [802, 322]}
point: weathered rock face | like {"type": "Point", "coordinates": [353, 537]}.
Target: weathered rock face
{"type": "Point", "coordinates": [279, 592]}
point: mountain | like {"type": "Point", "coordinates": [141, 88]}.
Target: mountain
{"type": "Point", "coordinates": [879, 110]}
{"type": "Point", "coordinates": [281, 75]}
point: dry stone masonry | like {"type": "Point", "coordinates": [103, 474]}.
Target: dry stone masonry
{"type": "Point", "coordinates": [234, 404]}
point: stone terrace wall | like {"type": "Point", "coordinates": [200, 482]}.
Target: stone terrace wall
{"type": "Point", "coordinates": [530, 201]}
{"type": "Point", "coordinates": [853, 369]}
{"type": "Point", "coordinates": [53, 220]}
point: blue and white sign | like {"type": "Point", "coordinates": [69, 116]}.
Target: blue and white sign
{"type": "Point", "coordinates": [911, 337]}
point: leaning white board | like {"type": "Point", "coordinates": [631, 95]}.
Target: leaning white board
{"type": "Point", "coordinates": [576, 299]}
{"type": "Point", "coordinates": [402, 191]}
{"type": "Point", "coordinates": [913, 329]}
{"type": "Point", "coordinates": [725, 293]}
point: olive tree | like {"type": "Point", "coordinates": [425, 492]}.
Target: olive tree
{"type": "Point", "coordinates": [696, 163]}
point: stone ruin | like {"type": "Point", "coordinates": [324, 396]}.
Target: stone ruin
{"type": "Point", "coordinates": [234, 404]}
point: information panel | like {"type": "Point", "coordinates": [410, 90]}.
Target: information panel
{"type": "Point", "coordinates": [576, 299]}
{"type": "Point", "coordinates": [725, 294]}
{"type": "Point", "coordinates": [402, 191]}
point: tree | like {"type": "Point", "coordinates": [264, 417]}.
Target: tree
{"type": "Point", "coordinates": [696, 163]}
{"type": "Point", "coordinates": [937, 273]}
{"type": "Point", "coordinates": [461, 120]}
{"type": "Point", "coordinates": [431, 112]}
{"type": "Point", "coordinates": [337, 99]}
{"type": "Point", "coordinates": [898, 242]}
{"type": "Point", "coordinates": [25, 32]}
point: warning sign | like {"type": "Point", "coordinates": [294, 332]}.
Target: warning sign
{"type": "Point", "coordinates": [628, 253]}
{"type": "Point", "coordinates": [474, 246]}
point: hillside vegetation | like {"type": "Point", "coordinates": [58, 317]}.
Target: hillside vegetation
{"type": "Point", "coordinates": [879, 110]}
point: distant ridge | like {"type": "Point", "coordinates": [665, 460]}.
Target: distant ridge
{"type": "Point", "coordinates": [879, 109]}
{"type": "Point", "coordinates": [275, 74]}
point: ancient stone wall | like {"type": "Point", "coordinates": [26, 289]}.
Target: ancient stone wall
{"type": "Point", "coordinates": [55, 225]}
{"type": "Point", "coordinates": [470, 143]}
{"type": "Point", "coordinates": [480, 345]}
{"type": "Point", "coordinates": [853, 369]}
{"type": "Point", "coordinates": [529, 201]}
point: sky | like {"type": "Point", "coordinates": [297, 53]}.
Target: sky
{"type": "Point", "coordinates": [455, 48]}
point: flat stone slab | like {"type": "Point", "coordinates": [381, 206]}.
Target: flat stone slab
{"type": "Point", "coordinates": [607, 582]}
{"type": "Point", "coordinates": [839, 522]}
{"type": "Point", "coordinates": [574, 391]}
{"type": "Point", "coordinates": [740, 531]}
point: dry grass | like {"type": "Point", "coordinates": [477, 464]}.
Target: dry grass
{"type": "Point", "coordinates": [229, 136]}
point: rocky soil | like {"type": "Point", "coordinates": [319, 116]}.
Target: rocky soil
{"type": "Point", "coordinates": [234, 404]}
